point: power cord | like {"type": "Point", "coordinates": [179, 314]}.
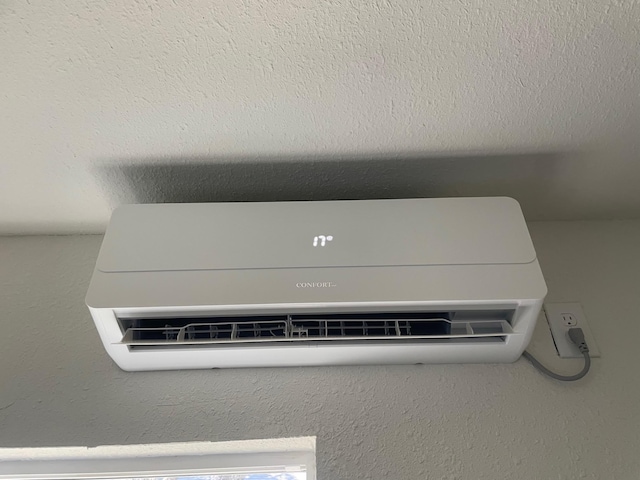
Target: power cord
{"type": "Point", "coordinates": [576, 335]}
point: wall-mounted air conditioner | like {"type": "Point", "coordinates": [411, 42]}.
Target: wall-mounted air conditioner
{"type": "Point", "coordinates": [211, 285]}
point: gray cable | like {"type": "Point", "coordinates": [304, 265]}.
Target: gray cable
{"type": "Point", "coordinates": [564, 378]}
{"type": "Point", "coordinates": [577, 336]}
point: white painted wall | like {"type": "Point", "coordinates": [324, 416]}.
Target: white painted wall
{"type": "Point", "coordinates": [89, 88]}
{"type": "Point", "coordinates": [59, 388]}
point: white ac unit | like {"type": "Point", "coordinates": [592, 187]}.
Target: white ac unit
{"type": "Point", "coordinates": [214, 285]}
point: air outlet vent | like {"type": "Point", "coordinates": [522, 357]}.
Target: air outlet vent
{"type": "Point", "coordinates": [296, 328]}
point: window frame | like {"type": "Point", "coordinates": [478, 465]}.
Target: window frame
{"type": "Point", "coordinates": [130, 461]}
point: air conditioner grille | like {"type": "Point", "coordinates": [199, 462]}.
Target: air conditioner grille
{"type": "Point", "coordinates": [288, 329]}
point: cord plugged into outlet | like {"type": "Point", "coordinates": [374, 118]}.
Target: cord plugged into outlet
{"type": "Point", "coordinates": [561, 317]}
{"type": "Point", "coordinates": [571, 336]}
{"type": "Point", "coordinates": [576, 336]}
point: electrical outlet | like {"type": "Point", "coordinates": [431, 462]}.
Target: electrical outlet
{"type": "Point", "coordinates": [568, 319]}
{"type": "Point", "coordinates": [563, 316]}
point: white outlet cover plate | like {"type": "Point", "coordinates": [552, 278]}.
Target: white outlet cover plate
{"type": "Point", "coordinates": [565, 347]}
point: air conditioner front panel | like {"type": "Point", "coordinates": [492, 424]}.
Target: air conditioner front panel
{"type": "Point", "coordinates": [249, 236]}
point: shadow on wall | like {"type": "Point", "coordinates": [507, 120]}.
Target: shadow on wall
{"type": "Point", "coordinates": [528, 178]}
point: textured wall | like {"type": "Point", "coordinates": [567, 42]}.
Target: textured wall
{"type": "Point", "coordinates": [476, 422]}
{"type": "Point", "coordinates": [92, 87]}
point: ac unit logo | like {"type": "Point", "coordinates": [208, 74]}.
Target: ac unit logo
{"type": "Point", "coordinates": [321, 240]}
{"type": "Point", "coordinates": [315, 285]}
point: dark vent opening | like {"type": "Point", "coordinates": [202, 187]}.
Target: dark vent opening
{"type": "Point", "coordinates": [294, 328]}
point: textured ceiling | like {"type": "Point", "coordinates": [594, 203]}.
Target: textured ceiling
{"type": "Point", "coordinates": [107, 102]}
